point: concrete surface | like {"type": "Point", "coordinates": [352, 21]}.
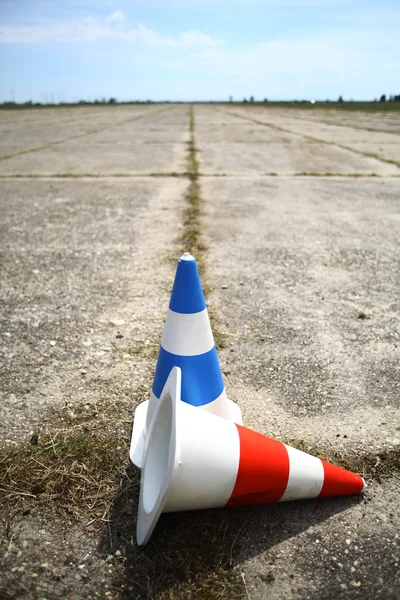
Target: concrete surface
{"type": "Point", "coordinates": [381, 121]}
{"type": "Point", "coordinates": [294, 261]}
{"type": "Point", "coordinates": [301, 258]}
{"type": "Point", "coordinates": [24, 130]}
{"type": "Point", "coordinates": [337, 135]}
{"type": "Point", "coordinates": [103, 147]}
{"type": "Point", "coordinates": [73, 257]}
{"type": "Point", "coordinates": [233, 141]}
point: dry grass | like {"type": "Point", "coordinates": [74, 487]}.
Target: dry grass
{"type": "Point", "coordinates": [74, 463]}
{"type": "Point", "coordinates": [362, 315]}
{"type": "Point", "coordinates": [192, 225]}
{"type": "Point", "coordinates": [192, 234]}
{"type": "Point", "coordinates": [145, 349]}
{"type": "Point", "coordinates": [374, 466]}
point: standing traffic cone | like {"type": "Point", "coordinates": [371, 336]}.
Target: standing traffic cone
{"type": "Point", "coordinates": [195, 460]}
{"type": "Point", "coordinates": [188, 343]}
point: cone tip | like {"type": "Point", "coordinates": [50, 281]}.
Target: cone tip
{"type": "Point", "coordinates": [187, 256]}
{"type": "Point", "coordinates": [364, 487]}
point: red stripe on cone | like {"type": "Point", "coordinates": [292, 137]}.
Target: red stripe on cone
{"type": "Point", "coordinates": [263, 470]}
{"type": "Point", "coordinates": [339, 482]}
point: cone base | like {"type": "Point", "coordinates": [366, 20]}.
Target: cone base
{"type": "Point", "coordinates": [222, 407]}
{"type": "Point", "coordinates": [225, 408]}
{"type": "Point", "coordinates": [159, 458]}
{"type": "Point", "coordinates": [138, 435]}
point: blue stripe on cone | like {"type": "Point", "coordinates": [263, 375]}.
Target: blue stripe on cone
{"type": "Point", "coordinates": [201, 376]}
{"type": "Point", "coordinates": [187, 294]}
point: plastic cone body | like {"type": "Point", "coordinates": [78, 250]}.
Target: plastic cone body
{"type": "Point", "coordinates": [188, 343]}
{"type": "Point", "coordinates": [195, 460]}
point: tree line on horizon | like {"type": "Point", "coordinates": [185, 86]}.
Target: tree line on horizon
{"type": "Point", "coordinates": [110, 101]}
{"type": "Point", "coordinates": [383, 98]}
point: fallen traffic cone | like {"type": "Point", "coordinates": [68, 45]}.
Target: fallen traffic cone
{"type": "Point", "coordinates": [188, 343]}
{"type": "Point", "coordinates": [195, 460]}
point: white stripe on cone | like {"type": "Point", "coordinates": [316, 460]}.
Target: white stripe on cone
{"type": "Point", "coordinates": [196, 460]}
{"type": "Point", "coordinates": [306, 476]}
{"type": "Point", "coordinates": [187, 334]}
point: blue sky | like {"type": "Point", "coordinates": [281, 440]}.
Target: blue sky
{"type": "Point", "coordinates": [198, 49]}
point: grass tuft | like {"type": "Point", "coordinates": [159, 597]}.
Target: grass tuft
{"type": "Point", "coordinates": [192, 235]}
{"type": "Point", "coordinates": [362, 315]}
{"type": "Point", "coordinates": [192, 226]}
{"type": "Point", "coordinates": [73, 464]}
{"type": "Point", "coordinates": [144, 349]}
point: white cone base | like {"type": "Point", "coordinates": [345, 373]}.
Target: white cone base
{"type": "Point", "coordinates": [222, 407]}
{"type": "Point", "coordinates": [138, 436]}
{"type": "Point", "coordinates": [227, 409]}
{"type": "Point", "coordinates": [159, 458]}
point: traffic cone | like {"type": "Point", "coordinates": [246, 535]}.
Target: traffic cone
{"type": "Point", "coordinates": [188, 343]}
{"type": "Point", "coordinates": [195, 460]}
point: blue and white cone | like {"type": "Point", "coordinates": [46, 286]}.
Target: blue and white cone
{"type": "Point", "coordinates": [188, 343]}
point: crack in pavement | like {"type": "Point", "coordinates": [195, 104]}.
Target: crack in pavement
{"type": "Point", "coordinates": [185, 174]}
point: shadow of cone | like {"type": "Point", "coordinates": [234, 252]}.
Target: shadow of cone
{"type": "Point", "coordinates": [188, 343]}
{"type": "Point", "coordinates": [196, 460]}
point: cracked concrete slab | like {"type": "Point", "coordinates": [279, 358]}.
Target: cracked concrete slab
{"type": "Point", "coordinates": [80, 158]}
{"type": "Point", "coordinates": [302, 259]}
{"type": "Point", "coordinates": [74, 257]}
{"type": "Point", "coordinates": [380, 121]}
{"type": "Point", "coordinates": [119, 149]}
{"type": "Point", "coordinates": [336, 134]}
{"type": "Point", "coordinates": [306, 278]}
{"type": "Point", "coordinates": [32, 128]}
{"type": "Point", "coordinates": [305, 282]}
{"type": "Point", "coordinates": [286, 153]}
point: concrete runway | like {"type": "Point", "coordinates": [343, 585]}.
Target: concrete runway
{"type": "Point", "coordinates": [302, 221]}
{"type": "Point", "coordinates": [296, 260]}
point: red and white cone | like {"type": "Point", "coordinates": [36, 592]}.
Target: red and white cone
{"type": "Point", "coordinates": [194, 460]}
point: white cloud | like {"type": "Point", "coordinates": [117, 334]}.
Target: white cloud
{"type": "Point", "coordinates": [232, 4]}
{"type": "Point", "coordinates": [116, 17]}
{"type": "Point", "coordinates": [143, 36]}
{"type": "Point", "coordinates": [341, 52]}
{"type": "Point", "coordinates": [196, 39]}
{"type": "Point", "coordinates": [114, 26]}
